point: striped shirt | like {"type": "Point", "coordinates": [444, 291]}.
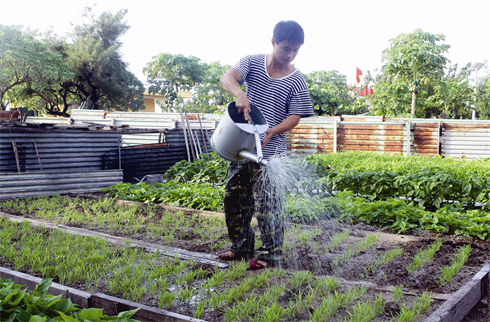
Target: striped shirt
{"type": "Point", "coordinates": [276, 98]}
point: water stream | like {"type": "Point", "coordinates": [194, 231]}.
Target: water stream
{"type": "Point", "coordinates": [293, 186]}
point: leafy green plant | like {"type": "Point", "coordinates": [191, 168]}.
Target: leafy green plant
{"type": "Point", "coordinates": [18, 304]}
{"type": "Point", "coordinates": [211, 168]}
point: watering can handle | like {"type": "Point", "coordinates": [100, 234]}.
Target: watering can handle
{"type": "Point", "coordinates": [258, 144]}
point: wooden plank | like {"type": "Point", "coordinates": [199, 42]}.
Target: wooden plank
{"type": "Point", "coordinates": [113, 305]}
{"type": "Point", "coordinates": [461, 303]}
{"type": "Point", "coordinates": [16, 155]}
{"type": "Point", "coordinates": [80, 298]}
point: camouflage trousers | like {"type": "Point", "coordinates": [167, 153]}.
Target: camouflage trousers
{"type": "Point", "coordinates": [244, 198]}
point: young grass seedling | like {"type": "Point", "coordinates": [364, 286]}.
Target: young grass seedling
{"type": "Point", "coordinates": [423, 257]}
{"type": "Point", "coordinates": [448, 272]}
{"type": "Point", "coordinates": [397, 294]}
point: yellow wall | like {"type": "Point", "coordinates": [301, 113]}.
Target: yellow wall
{"type": "Point", "coordinates": [150, 100]}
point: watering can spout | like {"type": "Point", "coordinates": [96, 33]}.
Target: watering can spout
{"type": "Point", "coordinates": [252, 157]}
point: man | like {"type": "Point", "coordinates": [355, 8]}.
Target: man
{"type": "Point", "coordinates": [280, 92]}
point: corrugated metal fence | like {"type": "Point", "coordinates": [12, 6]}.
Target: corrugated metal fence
{"type": "Point", "coordinates": [456, 138]}
{"type": "Point", "coordinates": [36, 161]}
{"type": "Point", "coordinates": [94, 150]}
{"type": "Point", "coordinates": [451, 138]}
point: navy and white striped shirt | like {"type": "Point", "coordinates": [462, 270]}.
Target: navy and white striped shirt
{"type": "Point", "coordinates": [277, 98]}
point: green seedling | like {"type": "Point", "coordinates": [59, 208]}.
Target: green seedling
{"type": "Point", "coordinates": [423, 257]}
{"type": "Point", "coordinates": [166, 300]}
{"type": "Point", "coordinates": [326, 286]}
{"type": "Point", "coordinates": [299, 279]}
{"type": "Point", "coordinates": [336, 240]}
{"type": "Point", "coordinates": [354, 249]}
{"type": "Point", "coordinates": [448, 272]}
{"type": "Point", "coordinates": [398, 294]}
{"type": "Point", "coordinates": [385, 258]}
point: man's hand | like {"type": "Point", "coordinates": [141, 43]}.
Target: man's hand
{"type": "Point", "coordinates": [288, 124]}
{"type": "Point", "coordinates": [267, 137]}
{"type": "Point", "coordinates": [229, 83]}
{"type": "Point", "coordinates": [242, 105]}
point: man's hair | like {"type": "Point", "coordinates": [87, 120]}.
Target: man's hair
{"type": "Point", "coordinates": [289, 30]}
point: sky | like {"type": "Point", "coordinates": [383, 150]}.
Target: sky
{"type": "Point", "coordinates": [339, 35]}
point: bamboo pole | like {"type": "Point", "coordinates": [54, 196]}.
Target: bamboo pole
{"type": "Point", "coordinates": [16, 156]}
{"type": "Point", "coordinates": [202, 134]}
{"type": "Point", "coordinates": [185, 137]}
{"type": "Point", "coordinates": [38, 158]}
{"type": "Point", "coordinates": [192, 138]}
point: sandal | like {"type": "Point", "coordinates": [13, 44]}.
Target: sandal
{"type": "Point", "coordinates": [254, 265]}
{"type": "Point", "coordinates": [226, 257]}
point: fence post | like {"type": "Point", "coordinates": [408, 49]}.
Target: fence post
{"type": "Point", "coordinates": [439, 138]}
{"type": "Point", "coordinates": [335, 125]}
{"type": "Point", "coordinates": [408, 136]}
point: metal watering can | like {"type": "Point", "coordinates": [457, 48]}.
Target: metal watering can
{"type": "Point", "coordinates": [235, 139]}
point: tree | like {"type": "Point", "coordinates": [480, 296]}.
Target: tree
{"type": "Point", "coordinates": [27, 63]}
{"type": "Point", "coordinates": [209, 95]}
{"type": "Point", "coordinates": [102, 78]}
{"type": "Point", "coordinates": [482, 103]}
{"type": "Point", "coordinates": [88, 69]}
{"type": "Point", "coordinates": [415, 59]}
{"type": "Point", "coordinates": [169, 74]}
{"type": "Point", "coordinates": [454, 93]}
{"type": "Point", "coordinates": [330, 94]}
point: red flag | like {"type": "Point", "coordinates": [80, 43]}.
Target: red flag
{"type": "Point", "coordinates": [358, 74]}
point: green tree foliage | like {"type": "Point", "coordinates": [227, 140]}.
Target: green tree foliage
{"type": "Point", "coordinates": [170, 73]}
{"type": "Point", "coordinates": [330, 95]}
{"type": "Point", "coordinates": [26, 62]}
{"type": "Point", "coordinates": [454, 94]}
{"type": "Point", "coordinates": [56, 74]}
{"type": "Point", "coordinates": [414, 62]}
{"type": "Point", "coordinates": [102, 78]}
{"type": "Point", "coordinates": [483, 99]}
{"type": "Point", "coordinates": [209, 96]}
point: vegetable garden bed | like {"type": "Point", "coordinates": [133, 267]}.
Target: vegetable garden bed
{"type": "Point", "coordinates": [329, 266]}
{"type": "Point", "coordinates": [346, 267]}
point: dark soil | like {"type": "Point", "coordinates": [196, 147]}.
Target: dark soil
{"type": "Point", "coordinates": [312, 257]}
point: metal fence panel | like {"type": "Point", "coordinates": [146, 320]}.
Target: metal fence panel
{"type": "Point", "coordinates": [469, 141]}
{"type": "Point", "coordinates": [22, 185]}
{"type": "Point", "coordinates": [54, 150]}
{"type": "Point", "coordinates": [320, 134]}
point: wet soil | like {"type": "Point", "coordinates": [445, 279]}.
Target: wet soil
{"type": "Point", "coordinates": [312, 256]}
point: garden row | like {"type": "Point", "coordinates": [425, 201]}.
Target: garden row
{"type": "Point", "coordinates": [445, 195]}
{"type": "Point", "coordinates": [204, 291]}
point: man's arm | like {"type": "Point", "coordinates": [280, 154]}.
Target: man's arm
{"type": "Point", "coordinates": [288, 124]}
{"type": "Point", "coordinates": [229, 83]}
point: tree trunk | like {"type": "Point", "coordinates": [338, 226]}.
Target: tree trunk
{"type": "Point", "coordinates": [414, 99]}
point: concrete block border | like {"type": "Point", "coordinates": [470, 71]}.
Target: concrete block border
{"type": "Point", "coordinates": [111, 305]}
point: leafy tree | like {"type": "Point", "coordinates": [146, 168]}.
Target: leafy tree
{"type": "Point", "coordinates": [330, 94]}
{"type": "Point", "coordinates": [483, 99]}
{"type": "Point", "coordinates": [170, 73]}
{"type": "Point", "coordinates": [454, 93]}
{"type": "Point", "coordinates": [102, 78]}
{"type": "Point", "coordinates": [209, 95]}
{"type": "Point", "coordinates": [414, 59]}
{"type": "Point", "coordinates": [89, 69]}
{"type": "Point", "coordinates": [26, 62]}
